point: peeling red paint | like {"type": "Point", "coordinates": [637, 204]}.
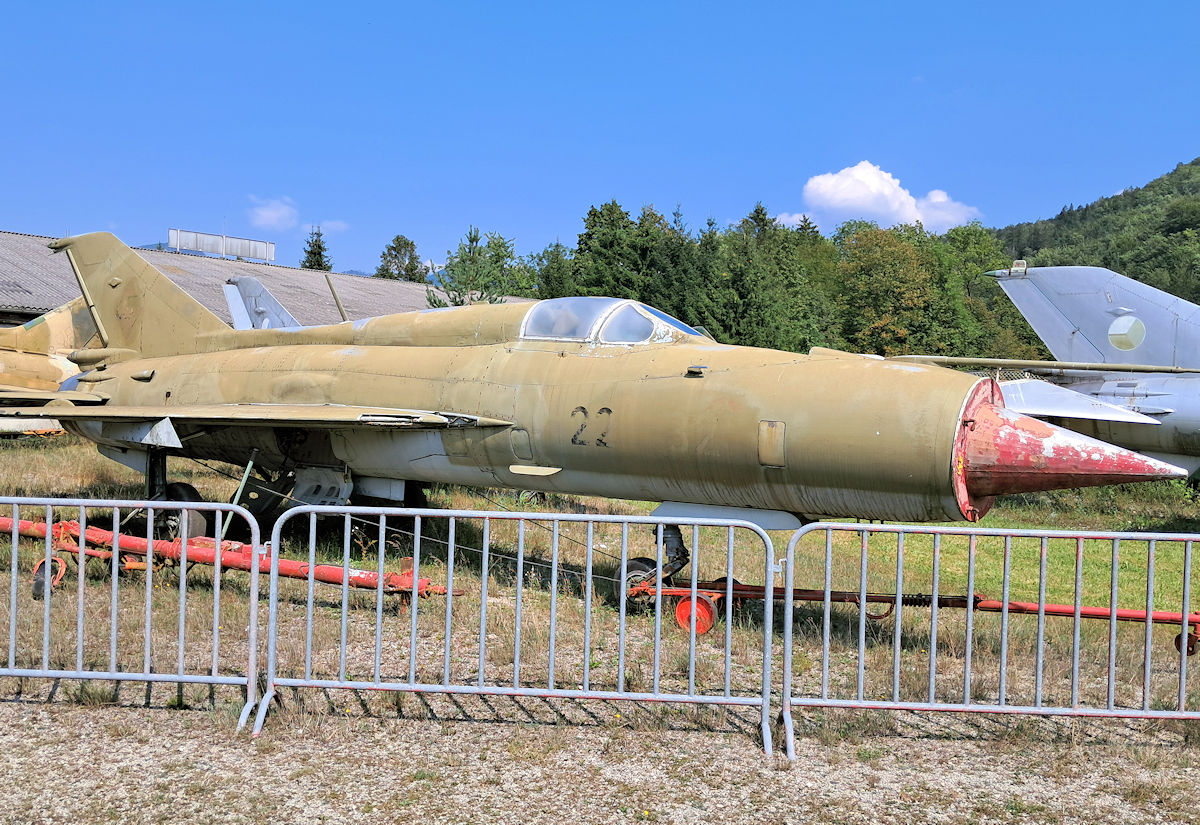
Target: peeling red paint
{"type": "Point", "coordinates": [1006, 452]}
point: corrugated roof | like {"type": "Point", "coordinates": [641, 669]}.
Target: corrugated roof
{"type": "Point", "coordinates": [34, 279]}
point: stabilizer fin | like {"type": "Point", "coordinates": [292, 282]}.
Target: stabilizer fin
{"type": "Point", "coordinates": [1088, 313]}
{"type": "Point", "coordinates": [135, 306]}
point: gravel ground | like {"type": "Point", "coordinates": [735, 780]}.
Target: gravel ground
{"type": "Point", "coordinates": [503, 760]}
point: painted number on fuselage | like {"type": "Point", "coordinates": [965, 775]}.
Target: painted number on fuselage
{"type": "Point", "coordinates": [602, 419]}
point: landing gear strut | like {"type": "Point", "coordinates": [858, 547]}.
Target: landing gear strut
{"type": "Point", "coordinates": [642, 569]}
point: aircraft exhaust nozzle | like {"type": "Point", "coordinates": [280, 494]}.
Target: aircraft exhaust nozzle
{"type": "Point", "coordinates": [1006, 452]}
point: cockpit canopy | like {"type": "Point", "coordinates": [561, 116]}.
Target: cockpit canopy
{"type": "Point", "coordinates": [600, 320]}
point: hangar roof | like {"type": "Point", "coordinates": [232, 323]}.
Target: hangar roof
{"type": "Point", "coordinates": [34, 280]}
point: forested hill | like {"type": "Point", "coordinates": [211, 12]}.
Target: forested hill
{"type": "Point", "coordinates": [1151, 233]}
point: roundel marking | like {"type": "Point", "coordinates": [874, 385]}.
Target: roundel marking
{"type": "Point", "coordinates": [1127, 332]}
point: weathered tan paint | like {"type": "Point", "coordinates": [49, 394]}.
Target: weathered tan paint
{"type": "Point", "coordinates": [845, 435]}
{"type": "Point", "coordinates": [34, 356]}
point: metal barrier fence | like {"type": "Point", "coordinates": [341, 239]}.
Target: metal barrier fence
{"type": "Point", "coordinates": [1038, 646]}
{"type": "Point", "coordinates": [114, 617]}
{"type": "Point", "coordinates": [549, 605]}
{"type": "Point", "coordinates": [533, 605]}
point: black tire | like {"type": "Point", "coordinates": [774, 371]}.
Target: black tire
{"type": "Point", "coordinates": [170, 525]}
{"type": "Point", "coordinates": [638, 570]}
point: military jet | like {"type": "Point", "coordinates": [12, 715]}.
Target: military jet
{"type": "Point", "coordinates": [585, 395]}
{"type": "Point", "coordinates": [1122, 343]}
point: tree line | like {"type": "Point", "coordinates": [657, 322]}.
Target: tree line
{"type": "Point", "coordinates": [757, 282]}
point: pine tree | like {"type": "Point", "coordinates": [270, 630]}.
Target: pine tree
{"type": "Point", "coordinates": [475, 273]}
{"type": "Point", "coordinates": [315, 254]}
{"type": "Point", "coordinates": [399, 261]}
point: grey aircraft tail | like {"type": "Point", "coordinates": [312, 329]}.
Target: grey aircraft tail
{"type": "Point", "coordinates": [1092, 314]}
{"type": "Point", "coordinates": [252, 306]}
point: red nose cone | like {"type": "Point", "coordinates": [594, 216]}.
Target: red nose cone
{"type": "Point", "coordinates": [1005, 452]}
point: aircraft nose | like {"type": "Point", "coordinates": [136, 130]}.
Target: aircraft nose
{"type": "Point", "coordinates": [1006, 452]}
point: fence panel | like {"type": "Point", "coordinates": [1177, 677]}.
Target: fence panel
{"type": "Point", "coordinates": [92, 595]}
{"type": "Point", "coordinates": [995, 621]}
{"type": "Point", "coordinates": [520, 604]}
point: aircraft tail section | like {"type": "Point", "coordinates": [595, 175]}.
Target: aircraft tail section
{"type": "Point", "coordinates": [62, 329]}
{"type": "Point", "coordinates": [1092, 314]}
{"type": "Point", "coordinates": [136, 306]}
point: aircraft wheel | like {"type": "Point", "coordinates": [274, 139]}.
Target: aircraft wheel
{"type": "Point", "coordinates": [170, 524]}
{"type": "Point", "coordinates": [706, 613]}
{"type": "Point", "coordinates": [638, 570]}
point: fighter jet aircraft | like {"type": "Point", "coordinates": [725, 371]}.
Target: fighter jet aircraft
{"type": "Point", "coordinates": [1121, 342]}
{"type": "Point", "coordinates": [594, 396]}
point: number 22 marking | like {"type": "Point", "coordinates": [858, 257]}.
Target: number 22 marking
{"type": "Point", "coordinates": [601, 440]}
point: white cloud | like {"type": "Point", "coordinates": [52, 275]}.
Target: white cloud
{"type": "Point", "coordinates": [333, 226]}
{"type": "Point", "coordinates": [279, 214]}
{"type": "Point", "coordinates": [865, 191]}
{"type": "Point", "coordinates": [792, 218]}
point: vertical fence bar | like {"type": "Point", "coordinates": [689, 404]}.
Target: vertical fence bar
{"type": "Point", "coordinates": [520, 592]}
{"type": "Point", "coordinates": [692, 620]}
{"type": "Point", "coordinates": [1185, 628]}
{"type": "Point", "coordinates": [553, 602]}
{"type": "Point", "coordinates": [587, 608]}
{"type": "Point", "coordinates": [81, 570]}
{"type": "Point", "coordinates": [380, 551]}
{"type": "Point", "coordinates": [1150, 553]}
{"type": "Point", "coordinates": [899, 616]}
{"type": "Point", "coordinates": [149, 590]}
{"type": "Point", "coordinates": [413, 600]}
{"type": "Point", "coordinates": [12, 587]}
{"type": "Point", "coordinates": [1005, 586]}
{"type": "Point", "coordinates": [48, 574]}
{"type": "Point", "coordinates": [1076, 622]}
{"type": "Point", "coordinates": [788, 613]}
{"type": "Point", "coordinates": [728, 609]}
{"type": "Point", "coordinates": [345, 618]}
{"type": "Point", "coordinates": [622, 607]}
{"type": "Point", "coordinates": [933, 616]}
{"type": "Point", "coordinates": [1040, 655]}
{"type": "Point", "coordinates": [483, 593]}
{"type": "Point", "coordinates": [114, 577]}
{"type": "Point", "coordinates": [969, 642]}
{"type": "Point", "coordinates": [658, 586]}
{"type": "Point", "coordinates": [218, 532]}
{"type": "Point", "coordinates": [449, 631]}
{"type": "Point", "coordinates": [1112, 625]}
{"type": "Point", "coordinates": [764, 717]}
{"type": "Point", "coordinates": [183, 539]}
{"type": "Point", "coordinates": [309, 601]}
{"type": "Point", "coordinates": [826, 614]}
{"type": "Point", "coordinates": [861, 676]}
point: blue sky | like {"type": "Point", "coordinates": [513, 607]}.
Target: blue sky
{"type": "Point", "coordinates": [376, 119]}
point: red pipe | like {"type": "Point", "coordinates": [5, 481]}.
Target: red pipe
{"type": "Point", "coordinates": [203, 550]}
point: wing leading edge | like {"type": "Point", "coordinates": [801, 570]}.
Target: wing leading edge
{"type": "Point", "coordinates": [317, 416]}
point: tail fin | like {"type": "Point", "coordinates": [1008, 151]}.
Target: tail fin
{"type": "Point", "coordinates": [61, 330]}
{"type": "Point", "coordinates": [1087, 313]}
{"type": "Point", "coordinates": [135, 305]}
{"type": "Point", "coordinates": [33, 356]}
{"type": "Point", "coordinates": [252, 306]}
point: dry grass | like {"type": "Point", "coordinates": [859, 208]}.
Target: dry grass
{"type": "Point", "coordinates": [366, 756]}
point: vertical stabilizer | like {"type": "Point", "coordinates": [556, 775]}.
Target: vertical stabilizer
{"type": "Point", "coordinates": [61, 330]}
{"type": "Point", "coordinates": [135, 306]}
{"type": "Point", "coordinates": [1087, 313]}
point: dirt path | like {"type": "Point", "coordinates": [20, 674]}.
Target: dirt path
{"type": "Point", "coordinates": [66, 762]}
